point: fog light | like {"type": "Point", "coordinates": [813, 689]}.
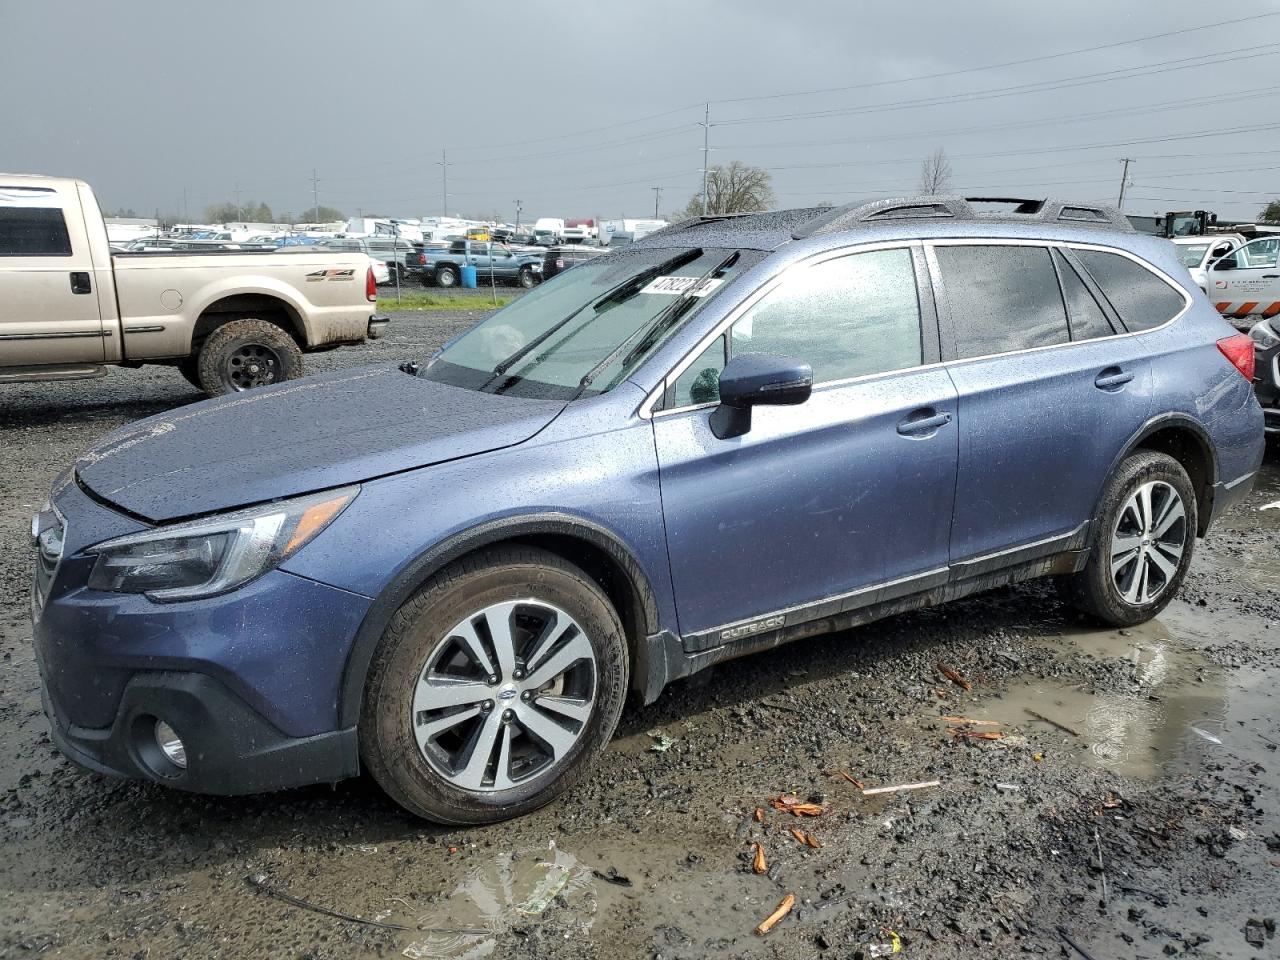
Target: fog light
{"type": "Point", "coordinates": [171, 744]}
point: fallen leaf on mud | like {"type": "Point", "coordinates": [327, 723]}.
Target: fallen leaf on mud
{"type": "Point", "coordinates": [852, 779]}
{"type": "Point", "coordinates": [974, 723]}
{"type": "Point", "coordinates": [759, 814]}
{"type": "Point", "coordinates": [797, 833]}
{"type": "Point", "coordinates": [951, 674]}
{"type": "Point", "coordinates": [811, 841]}
{"type": "Point", "coordinates": [794, 805]}
{"type": "Point", "coordinates": [771, 921]}
{"type": "Point", "coordinates": [757, 862]}
{"type": "Point", "coordinates": [977, 734]}
{"type": "Point", "coordinates": [1038, 757]}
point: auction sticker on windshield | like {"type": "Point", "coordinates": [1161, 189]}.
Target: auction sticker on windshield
{"type": "Point", "coordinates": [678, 285]}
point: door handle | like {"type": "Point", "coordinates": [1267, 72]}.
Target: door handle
{"type": "Point", "coordinates": [1271, 276]}
{"type": "Point", "coordinates": [924, 420]}
{"type": "Point", "coordinates": [80, 282]}
{"type": "Point", "coordinates": [1112, 378]}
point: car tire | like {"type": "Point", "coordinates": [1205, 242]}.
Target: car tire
{"type": "Point", "coordinates": [247, 353]}
{"type": "Point", "coordinates": [447, 277]}
{"type": "Point", "coordinates": [525, 278]}
{"type": "Point", "coordinates": [460, 776]}
{"type": "Point", "coordinates": [1144, 536]}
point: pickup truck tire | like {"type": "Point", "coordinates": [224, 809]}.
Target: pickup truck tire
{"type": "Point", "coordinates": [1145, 532]}
{"type": "Point", "coordinates": [247, 353]}
{"type": "Point", "coordinates": [433, 721]}
{"type": "Point", "coordinates": [447, 277]}
{"type": "Point", "coordinates": [526, 278]}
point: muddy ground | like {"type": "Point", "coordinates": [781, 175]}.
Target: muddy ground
{"type": "Point", "coordinates": [1140, 819]}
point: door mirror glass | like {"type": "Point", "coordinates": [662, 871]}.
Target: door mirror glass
{"type": "Point", "coordinates": [752, 379]}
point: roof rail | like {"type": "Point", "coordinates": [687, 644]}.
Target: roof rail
{"type": "Point", "coordinates": [1007, 209]}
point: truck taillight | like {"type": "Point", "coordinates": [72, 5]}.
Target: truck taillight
{"type": "Point", "coordinates": [422, 258]}
{"type": "Point", "coordinates": [1239, 350]}
{"type": "Point", "coordinates": [371, 288]}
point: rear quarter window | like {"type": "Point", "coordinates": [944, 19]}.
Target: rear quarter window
{"type": "Point", "coordinates": [1140, 297]}
{"type": "Point", "coordinates": [33, 232]}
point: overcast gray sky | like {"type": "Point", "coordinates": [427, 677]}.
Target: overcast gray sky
{"type": "Point", "coordinates": [579, 109]}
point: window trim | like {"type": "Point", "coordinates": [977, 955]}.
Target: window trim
{"type": "Point", "coordinates": [927, 300]}
{"type": "Point", "coordinates": [1066, 245]}
{"type": "Point", "coordinates": [936, 306]}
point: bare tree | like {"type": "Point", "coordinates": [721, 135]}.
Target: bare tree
{"type": "Point", "coordinates": [935, 173]}
{"type": "Point", "coordinates": [735, 188]}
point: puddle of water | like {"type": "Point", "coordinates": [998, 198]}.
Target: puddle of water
{"type": "Point", "coordinates": [512, 889]}
{"type": "Point", "coordinates": [1173, 711]}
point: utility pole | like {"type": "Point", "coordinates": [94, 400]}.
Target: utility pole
{"type": "Point", "coordinates": [315, 196]}
{"type": "Point", "coordinates": [186, 210]}
{"type": "Point", "coordinates": [706, 135]}
{"type": "Point", "coordinates": [519, 207]}
{"type": "Point", "coordinates": [657, 195]}
{"type": "Point", "coordinates": [236, 191]}
{"type": "Point", "coordinates": [1124, 180]}
{"type": "Point", "coordinates": [444, 183]}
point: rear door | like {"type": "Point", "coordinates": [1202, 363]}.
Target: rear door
{"type": "Point", "coordinates": [1044, 406]}
{"type": "Point", "coordinates": [48, 307]}
{"type": "Point", "coordinates": [837, 502]}
{"type": "Point", "coordinates": [1246, 282]}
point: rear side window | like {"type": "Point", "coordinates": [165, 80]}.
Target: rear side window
{"type": "Point", "coordinates": [1002, 298]}
{"type": "Point", "coordinates": [33, 232]}
{"type": "Point", "coordinates": [1141, 298]}
{"type": "Point", "coordinates": [1088, 322]}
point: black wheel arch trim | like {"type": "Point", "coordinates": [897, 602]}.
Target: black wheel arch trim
{"type": "Point", "coordinates": [1164, 421]}
{"type": "Point", "coordinates": [439, 556]}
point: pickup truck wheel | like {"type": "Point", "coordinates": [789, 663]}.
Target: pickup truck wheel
{"type": "Point", "coordinates": [446, 277]}
{"type": "Point", "coordinates": [244, 354]}
{"type": "Point", "coordinates": [525, 279]}
{"type": "Point", "coordinates": [493, 688]}
{"type": "Point", "coordinates": [1144, 534]}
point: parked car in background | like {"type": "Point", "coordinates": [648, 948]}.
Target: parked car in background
{"type": "Point", "coordinates": [732, 435]}
{"type": "Point", "coordinates": [1197, 252]}
{"type": "Point", "coordinates": [561, 258]}
{"type": "Point", "coordinates": [443, 268]}
{"type": "Point", "coordinates": [396, 253]}
{"type": "Point", "coordinates": [227, 319]}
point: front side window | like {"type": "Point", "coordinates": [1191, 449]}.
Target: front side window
{"type": "Point", "coordinates": [587, 329]}
{"type": "Point", "coordinates": [33, 232]}
{"type": "Point", "coordinates": [1002, 297]}
{"type": "Point", "coordinates": [1257, 254]}
{"type": "Point", "coordinates": [848, 317]}
{"type": "Point", "coordinates": [1140, 297]}
{"type": "Point", "coordinates": [700, 382]}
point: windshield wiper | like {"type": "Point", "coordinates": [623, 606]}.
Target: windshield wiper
{"type": "Point", "coordinates": [622, 291]}
{"type": "Point", "coordinates": [649, 332]}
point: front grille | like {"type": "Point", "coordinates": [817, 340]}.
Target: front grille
{"type": "Point", "coordinates": [48, 532]}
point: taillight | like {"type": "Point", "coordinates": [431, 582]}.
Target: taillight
{"type": "Point", "coordinates": [422, 258]}
{"type": "Point", "coordinates": [371, 289]}
{"type": "Point", "coordinates": [1239, 350]}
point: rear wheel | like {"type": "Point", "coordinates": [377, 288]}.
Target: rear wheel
{"type": "Point", "coordinates": [493, 688]}
{"type": "Point", "coordinates": [446, 277]}
{"type": "Point", "coordinates": [244, 354]}
{"type": "Point", "coordinates": [1144, 536]}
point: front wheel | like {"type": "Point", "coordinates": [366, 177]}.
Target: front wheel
{"type": "Point", "coordinates": [244, 354]}
{"type": "Point", "coordinates": [493, 688]}
{"type": "Point", "coordinates": [1144, 536]}
{"type": "Point", "coordinates": [526, 278]}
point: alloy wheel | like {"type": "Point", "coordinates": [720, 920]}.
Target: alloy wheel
{"type": "Point", "coordinates": [1148, 541]}
{"type": "Point", "coordinates": [505, 695]}
{"type": "Point", "coordinates": [252, 365]}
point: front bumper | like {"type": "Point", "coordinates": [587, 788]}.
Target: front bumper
{"type": "Point", "coordinates": [378, 326]}
{"type": "Point", "coordinates": [230, 748]}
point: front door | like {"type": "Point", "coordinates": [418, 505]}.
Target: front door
{"type": "Point", "coordinates": [48, 307]}
{"type": "Point", "coordinates": [820, 505]}
{"type": "Point", "coordinates": [1246, 282]}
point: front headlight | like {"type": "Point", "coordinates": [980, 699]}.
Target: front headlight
{"type": "Point", "coordinates": [210, 556]}
{"type": "Point", "coordinates": [1264, 336]}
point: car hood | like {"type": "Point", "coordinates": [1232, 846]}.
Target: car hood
{"type": "Point", "coordinates": [297, 437]}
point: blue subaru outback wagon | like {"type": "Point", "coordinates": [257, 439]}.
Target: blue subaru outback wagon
{"type": "Point", "coordinates": [736, 433]}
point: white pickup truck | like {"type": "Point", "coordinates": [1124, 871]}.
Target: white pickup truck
{"type": "Point", "coordinates": [228, 320]}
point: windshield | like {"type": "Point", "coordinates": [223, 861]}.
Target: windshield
{"type": "Point", "coordinates": [1191, 253]}
{"type": "Point", "coordinates": [597, 323]}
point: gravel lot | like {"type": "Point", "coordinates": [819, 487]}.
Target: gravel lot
{"type": "Point", "coordinates": [1144, 821]}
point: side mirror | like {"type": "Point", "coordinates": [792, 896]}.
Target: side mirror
{"type": "Point", "coordinates": [757, 378]}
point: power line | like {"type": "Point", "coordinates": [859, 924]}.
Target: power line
{"type": "Point", "coordinates": [999, 66]}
